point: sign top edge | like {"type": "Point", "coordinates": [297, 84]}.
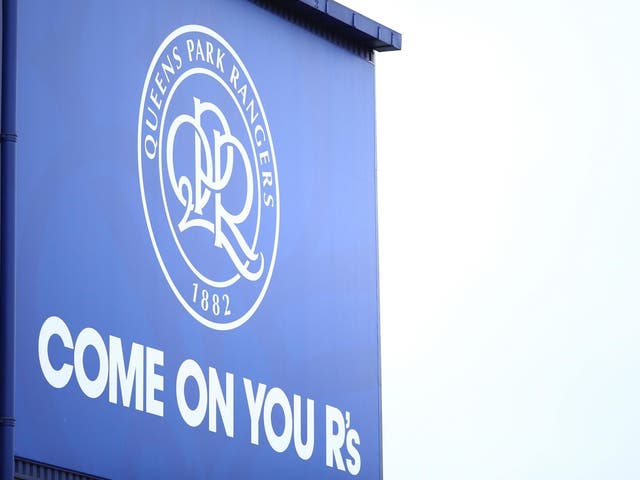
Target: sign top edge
{"type": "Point", "coordinates": [333, 17]}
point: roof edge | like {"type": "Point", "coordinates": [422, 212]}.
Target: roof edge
{"type": "Point", "coordinates": [337, 18]}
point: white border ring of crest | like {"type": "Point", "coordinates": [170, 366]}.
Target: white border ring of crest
{"type": "Point", "coordinates": [192, 28]}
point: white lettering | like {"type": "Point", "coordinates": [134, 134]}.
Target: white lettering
{"type": "Point", "coordinates": [160, 83]}
{"type": "Point", "coordinates": [190, 47]}
{"type": "Point", "coordinates": [219, 56]}
{"type": "Point", "coordinates": [235, 75]}
{"type": "Point", "coordinates": [54, 326]}
{"type": "Point", "coordinates": [177, 57]}
{"type": "Point", "coordinates": [90, 338]}
{"type": "Point", "coordinates": [210, 53]}
{"type": "Point", "coordinates": [199, 51]}
{"type": "Point", "coordinates": [255, 406]}
{"type": "Point", "coordinates": [218, 402]}
{"type": "Point", "coordinates": [304, 449]}
{"type": "Point", "coordinates": [155, 381]}
{"type": "Point", "coordinates": [243, 93]}
{"type": "Point", "coordinates": [190, 369]}
{"type": "Point", "coordinates": [353, 465]}
{"type": "Point", "coordinates": [251, 107]}
{"type": "Point", "coordinates": [127, 377]}
{"type": "Point", "coordinates": [153, 95]}
{"type": "Point", "coordinates": [267, 179]}
{"type": "Point", "coordinates": [150, 147]}
{"type": "Point", "coordinates": [264, 157]}
{"type": "Point", "coordinates": [259, 138]}
{"type": "Point", "coordinates": [335, 439]}
{"type": "Point", "coordinates": [277, 397]}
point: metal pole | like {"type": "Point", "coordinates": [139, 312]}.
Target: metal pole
{"type": "Point", "coordinates": [8, 140]}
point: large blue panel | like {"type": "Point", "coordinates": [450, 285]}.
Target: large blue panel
{"type": "Point", "coordinates": [196, 180]}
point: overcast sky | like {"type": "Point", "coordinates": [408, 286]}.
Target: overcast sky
{"type": "Point", "coordinates": [509, 209]}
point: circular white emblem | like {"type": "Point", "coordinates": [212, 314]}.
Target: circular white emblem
{"type": "Point", "coordinates": [208, 177]}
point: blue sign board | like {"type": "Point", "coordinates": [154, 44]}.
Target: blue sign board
{"type": "Point", "coordinates": [196, 244]}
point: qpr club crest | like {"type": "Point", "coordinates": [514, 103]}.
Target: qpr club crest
{"type": "Point", "coordinates": [208, 177]}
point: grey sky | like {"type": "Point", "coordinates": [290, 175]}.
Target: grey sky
{"type": "Point", "coordinates": [509, 230]}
